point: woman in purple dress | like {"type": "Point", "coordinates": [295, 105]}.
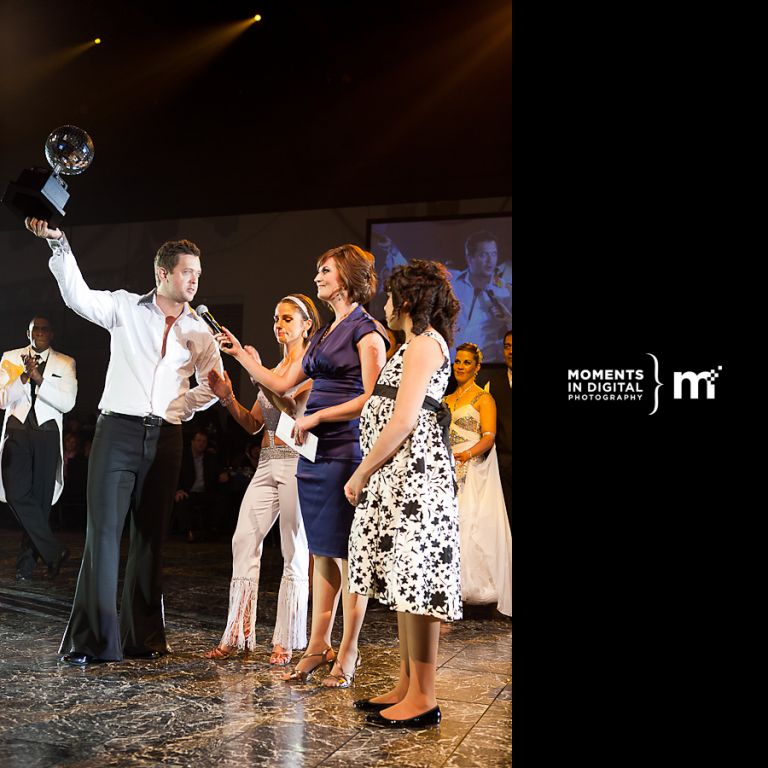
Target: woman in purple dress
{"type": "Point", "coordinates": [343, 360]}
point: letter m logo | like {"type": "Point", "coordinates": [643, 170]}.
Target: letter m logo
{"type": "Point", "coordinates": [694, 381]}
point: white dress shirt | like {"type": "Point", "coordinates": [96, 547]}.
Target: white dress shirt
{"type": "Point", "coordinates": [199, 485]}
{"type": "Point", "coordinates": [42, 355]}
{"type": "Point", "coordinates": [140, 381]}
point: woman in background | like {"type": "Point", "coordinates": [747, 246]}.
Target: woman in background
{"type": "Point", "coordinates": [271, 492]}
{"type": "Point", "coordinates": [486, 541]}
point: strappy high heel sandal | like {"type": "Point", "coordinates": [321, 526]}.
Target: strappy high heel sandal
{"type": "Point", "coordinates": [302, 675]}
{"type": "Point", "coordinates": [220, 653]}
{"type": "Point", "coordinates": [343, 680]}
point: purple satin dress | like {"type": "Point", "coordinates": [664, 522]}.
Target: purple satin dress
{"type": "Point", "coordinates": [333, 364]}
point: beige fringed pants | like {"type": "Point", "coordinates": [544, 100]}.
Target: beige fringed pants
{"type": "Point", "coordinates": [271, 494]}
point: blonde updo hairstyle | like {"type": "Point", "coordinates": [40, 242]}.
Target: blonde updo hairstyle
{"type": "Point", "coordinates": [473, 350]}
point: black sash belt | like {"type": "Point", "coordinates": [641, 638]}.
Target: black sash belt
{"type": "Point", "coordinates": [430, 404]}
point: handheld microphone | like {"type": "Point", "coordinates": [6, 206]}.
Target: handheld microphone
{"type": "Point", "coordinates": [211, 322]}
{"type": "Point", "coordinates": [501, 311]}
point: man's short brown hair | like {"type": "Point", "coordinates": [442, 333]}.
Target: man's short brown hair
{"type": "Point", "coordinates": [167, 255]}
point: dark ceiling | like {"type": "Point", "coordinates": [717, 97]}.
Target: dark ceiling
{"type": "Point", "coordinates": [321, 104]}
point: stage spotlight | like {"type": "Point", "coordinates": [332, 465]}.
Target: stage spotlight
{"type": "Point", "coordinates": [257, 17]}
{"type": "Point", "coordinates": [97, 41]}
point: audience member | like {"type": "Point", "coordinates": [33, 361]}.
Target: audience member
{"type": "Point", "coordinates": [196, 500]}
{"type": "Point", "coordinates": [486, 542]}
{"type": "Point", "coordinates": [498, 381]}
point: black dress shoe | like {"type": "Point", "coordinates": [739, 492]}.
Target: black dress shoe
{"type": "Point", "coordinates": [22, 577]}
{"type": "Point", "coordinates": [58, 561]}
{"type": "Point", "coordinates": [366, 705]}
{"type": "Point", "coordinates": [79, 659]}
{"type": "Point", "coordinates": [430, 717]}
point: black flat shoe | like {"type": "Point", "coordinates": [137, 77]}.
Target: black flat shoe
{"type": "Point", "coordinates": [23, 577]}
{"type": "Point", "coordinates": [366, 705]}
{"type": "Point", "coordinates": [58, 561]}
{"type": "Point", "coordinates": [430, 717]}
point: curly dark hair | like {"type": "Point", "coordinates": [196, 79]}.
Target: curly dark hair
{"type": "Point", "coordinates": [426, 287]}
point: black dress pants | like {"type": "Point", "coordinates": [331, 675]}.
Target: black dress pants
{"type": "Point", "coordinates": [132, 468]}
{"type": "Point", "coordinates": [30, 457]}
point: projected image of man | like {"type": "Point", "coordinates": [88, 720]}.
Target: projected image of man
{"type": "Point", "coordinates": [485, 292]}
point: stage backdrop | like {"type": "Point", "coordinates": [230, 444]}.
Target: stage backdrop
{"type": "Point", "coordinates": [477, 250]}
{"type": "Point", "coordinates": [249, 262]}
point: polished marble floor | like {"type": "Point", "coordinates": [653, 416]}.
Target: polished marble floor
{"type": "Point", "coordinates": [184, 710]}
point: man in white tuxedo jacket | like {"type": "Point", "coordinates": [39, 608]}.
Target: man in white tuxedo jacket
{"type": "Point", "coordinates": [37, 386]}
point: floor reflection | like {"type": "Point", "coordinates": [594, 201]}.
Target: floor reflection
{"type": "Point", "coordinates": [187, 710]}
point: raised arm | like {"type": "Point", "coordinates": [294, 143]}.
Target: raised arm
{"type": "Point", "coordinates": [421, 359]}
{"type": "Point", "coordinates": [293, 405]}
{"type": "Point", "coordinates": [278, 383]}
{"type": "Point", "coordinates": [96, 306]}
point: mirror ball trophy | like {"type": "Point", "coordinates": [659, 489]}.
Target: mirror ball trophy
{"type": "Point", "coordinates": [43, 194]}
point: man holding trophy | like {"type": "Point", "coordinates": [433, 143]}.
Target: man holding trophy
{"type": "Point", "coordinates": [157, 343]}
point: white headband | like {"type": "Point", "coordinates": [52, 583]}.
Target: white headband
{"type": "Point", "coordinates": [299, 303]}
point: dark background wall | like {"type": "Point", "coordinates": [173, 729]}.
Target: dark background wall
{"type": "Point", "coordinates": [320, 105]}
{"type": "Point", "coordinates": [264, 143]}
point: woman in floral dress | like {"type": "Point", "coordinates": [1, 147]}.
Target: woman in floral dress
{"type": "Point", "coordinates": [404, 543]}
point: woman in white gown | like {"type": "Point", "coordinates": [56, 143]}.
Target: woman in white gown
{"type": "Point", "coordinates": [486, 541]}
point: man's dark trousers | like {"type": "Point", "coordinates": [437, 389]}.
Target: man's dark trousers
{"type": "Point", "coordinates": [30, 459]}
{"type": "Point", "coordinates": [132, 468]}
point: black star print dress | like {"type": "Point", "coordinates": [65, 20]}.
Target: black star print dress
{"type": "Point", "coordinates": [404, 544]}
